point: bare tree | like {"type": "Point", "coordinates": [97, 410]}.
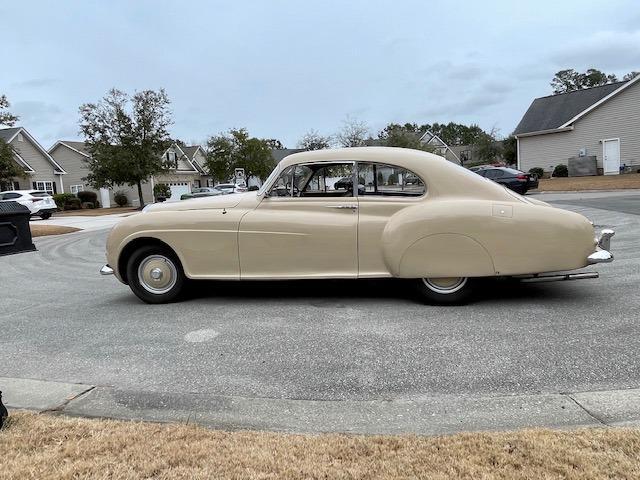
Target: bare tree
{"type": "Point", "coordinates": [353, 133]}
{"type": "Point", "coordinates": [312, 140]}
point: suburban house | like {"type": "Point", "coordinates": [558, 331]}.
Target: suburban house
{"type": "Point", "coordinates": [41, 171]}
{"type": "Point", "coordinates": [185, 172]}
{"type": "Point", "coordinates": [596, 129]}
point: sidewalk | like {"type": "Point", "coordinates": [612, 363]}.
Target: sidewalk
{"type": "Point", "coordinates": [428, 415]}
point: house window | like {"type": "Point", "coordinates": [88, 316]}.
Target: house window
{"type": "Point", "coordinates": [76, 188]}
{"type": "Point", "coordinates": [210, 182]}
{"type": "Point", "coordinates": [172, 159]}
{"type": "Point", "coordinates": [20, 138]}
{"type": "Point", "coordinates": [196, 183]}
{"type": "Point", "coordinates": [46, 186]}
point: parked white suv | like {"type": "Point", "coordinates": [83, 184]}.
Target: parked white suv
{"type": "Point", "coordinates": [40, 203]}
{"type": "Point", "coordinates": [232, 187]}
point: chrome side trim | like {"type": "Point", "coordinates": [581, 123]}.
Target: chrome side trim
{"type": "Point", "coordinates": [351, 207]}
{"type": "Point", "coordinates": [106, 270]}
{"type": "Point", "coordinates": [560, 277]}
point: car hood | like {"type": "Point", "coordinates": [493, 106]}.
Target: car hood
{"type": "Point", "coordinates": [199, 203]}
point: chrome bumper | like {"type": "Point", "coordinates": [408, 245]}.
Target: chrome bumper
{"type": "Point", "coordinates": [602, 253]}
{"type": "Point", "coordinates": [106, 270]}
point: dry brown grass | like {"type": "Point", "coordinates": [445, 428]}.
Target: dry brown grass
{"type": "Point", "coordinates": [42, 230]}
{"type": "Point", "coordinates": [50, 447]}
{"type": "Point", "coordinates": [96, 212]}
{"type": "Point", "coordinates": [602, 182]}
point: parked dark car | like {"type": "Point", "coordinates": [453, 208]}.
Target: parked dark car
{"type": "Point", "coordinates": [516, 180]}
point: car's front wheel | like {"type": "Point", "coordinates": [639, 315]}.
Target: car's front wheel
{"type": "Point", "coordinates": [45, 216]}
{"type": "Point", "coordinates": [445, 291]}
{"type": "Point", "coordinates": [155, 274]}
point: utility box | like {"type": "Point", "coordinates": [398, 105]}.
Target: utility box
{"type": "Point", "coordinates": [15, 233]}
{"type": "Point", "coordinates": [582, 166]}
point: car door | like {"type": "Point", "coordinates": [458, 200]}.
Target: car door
{"type": "Point", "coordinates": [305, 226]}
{"type": "Point", "coordinates": [384, 190]}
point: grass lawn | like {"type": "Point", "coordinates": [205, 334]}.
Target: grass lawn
{"type": "Point", "coordinates": [42, 230]}
{"type": "Point", "coordinates": [602, 182]}
{"type": "Point", "coordinates": [96, 212]}
{"type": "Point", "coordinates": [52, 447]}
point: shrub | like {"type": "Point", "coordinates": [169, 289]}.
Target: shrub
{"type": "Point", "coordinates": [62, 198]}
{"type": "Point", "coordinates": [161, 190]}
{"type": "Point", "coordinates": [561, 171]}
{"type": "Point", "coordinates": [537, 171]}
{"type": "Point", "coordinates": [393, 179]}
{"type": "Point", "coordinates": [121, 198]}
{"type": "Point", "coordinates": [73, 203]}
{"type": "Point", "coordinates": [88, 197]}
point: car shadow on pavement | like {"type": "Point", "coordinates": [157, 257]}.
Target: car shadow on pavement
{"type": "Point", "coordinates": [324, 292]}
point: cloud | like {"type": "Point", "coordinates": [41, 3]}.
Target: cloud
{"type": "Point", "coordinates": [36, 83]}
{"type": "Point", "coordinates": [604, 50]}
{"type": "Point", "coordinates": [35, 113]}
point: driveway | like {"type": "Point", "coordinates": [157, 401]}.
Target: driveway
{"type": "Point", "coordinates": [321, 341]}
{"type": "Point", "coordinates": [83, 222]}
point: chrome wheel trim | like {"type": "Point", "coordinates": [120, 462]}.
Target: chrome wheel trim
{"type": "Point", "coordinates": [157, 274]}
{"type": "Point", "coordinates": [445, 286]}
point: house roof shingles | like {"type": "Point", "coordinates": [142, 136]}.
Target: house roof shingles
{"type": "Point", "coordinates": [7, 133]}
{"type": "Point", "coordinates": [547, 113]}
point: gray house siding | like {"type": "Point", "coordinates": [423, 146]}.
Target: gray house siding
{"type": "Point", "coordinates": [618, 117]}
{"type": "Point", "coordinates": [74, 164]}
{"type": "Point", "coordinates": [43, 169]}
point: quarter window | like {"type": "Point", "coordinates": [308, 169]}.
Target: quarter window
{"type": "Point", "coordinates": [388, 180]}
{"type": "Point", "coordinates": [284, 185]}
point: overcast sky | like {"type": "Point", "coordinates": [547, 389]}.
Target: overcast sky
{"type": "Point", "coordinates": [282, 67]}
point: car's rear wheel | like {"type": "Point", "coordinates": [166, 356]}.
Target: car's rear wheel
{"type": "Point", "coordinates": [45, 216]}
{"type": "Point", "coordinates": [155, 274]}
{"type": "Point", "coordinates": [445, 290]}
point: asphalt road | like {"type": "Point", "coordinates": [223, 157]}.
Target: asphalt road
{"type": "Point", "coordinates": [323, 340]}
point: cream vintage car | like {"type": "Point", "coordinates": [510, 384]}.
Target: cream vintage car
{"type": "Point", "coordinates": [413, 215]}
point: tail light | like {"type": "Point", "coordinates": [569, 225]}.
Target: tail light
{"type": "Point", "coordinates": [34, 200]}
{"type": "Point", "coordinates": [521, 177]}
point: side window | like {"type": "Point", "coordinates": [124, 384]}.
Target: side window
{"type": "Point", "coordinates": [11, 196]}
{"type": "Point", "coordinates": [283, 186]}
{"type": "Point", "coordinates": [322, 180]}
{"type": "Point", "coordinates": [388, 180]}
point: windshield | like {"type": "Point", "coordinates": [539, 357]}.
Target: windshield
{"type": "Point", "coordinates": [269, 180]}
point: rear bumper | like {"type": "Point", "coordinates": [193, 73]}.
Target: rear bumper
{"type": "Point", "coordinates": [602, 253]}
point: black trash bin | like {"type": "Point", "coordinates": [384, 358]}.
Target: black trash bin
{"type": "Point", "coordinates": [15, 234]}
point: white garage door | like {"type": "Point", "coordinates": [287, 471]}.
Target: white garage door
{"type": "Point", "coordinates": [177, 189]}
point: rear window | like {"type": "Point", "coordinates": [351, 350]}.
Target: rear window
{"type": "Point", "coordinates": [512, 171]}
{"type": "Point", "coordinates": [39, 194]}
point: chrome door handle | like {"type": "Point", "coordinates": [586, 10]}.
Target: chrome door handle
{"type": "Point", "coordinates": [350, 207]}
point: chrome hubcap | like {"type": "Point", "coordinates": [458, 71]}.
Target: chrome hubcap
{"type": "Point", "coordinates": [444, 285]}
{"type": "Point", "coordinates": [157, 274]}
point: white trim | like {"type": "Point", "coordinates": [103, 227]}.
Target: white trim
{"type": "Point", "coordinates": [601, 101]}
{"type": "Point", "coordinates": [178, 158]}
{"type": "Point", "coordinates": [544, 132]}
{"type": "Point", "coordinates": [517, 153]}
{"type": "Point", "coordinates": [33, 141]}
{"type": "Point", "coordinates": [24, 163]}
{"type": "Point", "coordinates": [603, 141]}
{"type": "Point", "coordinates": [61, 142]}
{"type": "Point", "coordinates": [61, 184]}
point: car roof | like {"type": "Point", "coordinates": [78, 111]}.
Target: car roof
{"type": "Point", "coordinates": [443, 178]}
{"type": "Point", "coordinates": [28, 192]}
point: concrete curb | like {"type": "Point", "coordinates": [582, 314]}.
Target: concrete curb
{"type": "Point", "coordinates": [429, 415]}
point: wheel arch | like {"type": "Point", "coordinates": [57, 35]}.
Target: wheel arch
{"type": "Point", "coordinates": [132, 246]}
